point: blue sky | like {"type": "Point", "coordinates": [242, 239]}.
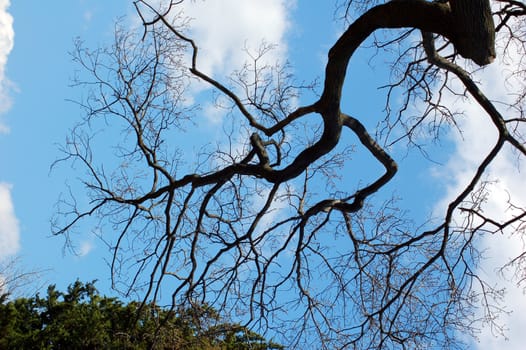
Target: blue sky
{"type": "Point", "coordinates": [39, 70]}
{"type": "Point", "coordinates": [35, 116]}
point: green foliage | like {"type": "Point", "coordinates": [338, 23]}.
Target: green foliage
{"type": "Point", "coordinates": [82, 319]}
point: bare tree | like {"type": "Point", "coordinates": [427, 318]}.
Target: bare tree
{"type": "Point", "coordinates": [16, 281]}
{"type": "Point", "coordinates": [259, 226]}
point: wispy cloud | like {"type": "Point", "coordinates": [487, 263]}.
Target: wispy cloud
{"type": "Point", "coordinates": [478, 137]}
{"type": "Point", "coordinates": [85, 248]}
{"type": "Point", "coordinates": [9, 227]}
{"type": "Point", "coordinates": [7, 36]}
{"type": "Point", "coordinates": [88, 16]}
{"type": "Point", "coordinates": [224, 28]}
{"type": "Point", "coordinates": [227, 31]}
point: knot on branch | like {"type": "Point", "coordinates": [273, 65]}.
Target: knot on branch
{"type": "Point", "coordinates": [260, 150]}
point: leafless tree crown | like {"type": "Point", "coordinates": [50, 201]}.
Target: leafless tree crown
{"type": "Point", "coordinates": [258, 223]}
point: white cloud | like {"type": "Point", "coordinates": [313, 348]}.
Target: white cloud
{"type": "Point", "coordinates": [213, 113]}
{"type": "Point", "coordinates": [499, 250]}
{"type": "Point", "coordinates": [85, 248]}
{"type": "Point", "coordinates": [9, 227]}
{"type": "Point", "coordinates": [88, 15]}
{"type": "Point", "coordinates": [223, 28]}
{"type": "Point", "coordinates": [478, 137]}
{"type": "Point", "coordinates": [7, 36]}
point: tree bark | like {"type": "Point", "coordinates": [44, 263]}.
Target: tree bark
{"type": "Point", "coordinates": [474, 36]}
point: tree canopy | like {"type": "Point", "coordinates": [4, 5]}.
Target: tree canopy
{"type": "Point", "coordinates": [261, 225]}
{"type": "Point", "coordinates": [83, 319]}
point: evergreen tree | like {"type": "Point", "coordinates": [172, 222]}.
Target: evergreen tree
{"type": "Point", "coordinates": [83, 319]}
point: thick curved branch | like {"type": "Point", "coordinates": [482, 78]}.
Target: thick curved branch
{"type": "Point", "coordinates": [377, 151]}
{"type": "Point", "coordinates": [474, 35]}
{"type": "Point", "coordinates": [433, 17]}
{"type": "Point", "coordinates": [240, 233]}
